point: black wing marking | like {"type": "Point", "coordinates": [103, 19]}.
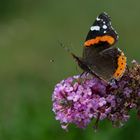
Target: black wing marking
{"type": "Point", "coordinates": [101, 27]}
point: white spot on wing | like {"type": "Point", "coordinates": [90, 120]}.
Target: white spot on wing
{"type": "Point", "coordinates": [119, 50]}
{"type": "Point", "coordinates": [105, 13]}
{"type": "Point", "coordinates": [104, 32]}
{"type": "Point", "coordinates": [104, 27]}
{"type": "Point", "coordinates": [95, 28]}
{"type": "Point", "coordinates": [98, 19]}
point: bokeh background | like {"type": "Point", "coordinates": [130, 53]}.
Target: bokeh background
{"type": "Point", "coordinates": [32, 62]}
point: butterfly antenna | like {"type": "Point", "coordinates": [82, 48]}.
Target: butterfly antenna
{"type": "Point", "coordinates": [64, 47]}
{"type": "Point", "coordinates": [68, 50]}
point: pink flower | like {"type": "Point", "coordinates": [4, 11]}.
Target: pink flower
{"type": "Point", "coordinates": [79, 99]}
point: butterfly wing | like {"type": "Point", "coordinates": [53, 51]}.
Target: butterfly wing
{"type": "Point", "coordinates": [100, 37]}
{"type": "Point", "coordinates": [101, 33]}
{"type": "Point", "coordinates": [98, 54]}
{"type": "Point", "coordinates": [109, 64]}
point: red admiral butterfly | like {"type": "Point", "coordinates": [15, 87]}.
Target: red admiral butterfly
{"type": "Point", "coordinates": [100, 58]}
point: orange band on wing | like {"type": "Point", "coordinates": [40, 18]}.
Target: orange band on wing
{"type": "Point", "coordinates": [96, 40]}
{"type": "Point", "coordinates": [121, 66]}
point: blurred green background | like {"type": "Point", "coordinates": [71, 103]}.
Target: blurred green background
{"type": "Point", "coordinates": [29, 34]}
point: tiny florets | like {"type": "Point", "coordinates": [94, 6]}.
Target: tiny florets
{"type": "Point", "coordinates": [80, 99]}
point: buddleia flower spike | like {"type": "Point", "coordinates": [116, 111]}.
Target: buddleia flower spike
{"type": "Point", "coordinates": [80, 99]}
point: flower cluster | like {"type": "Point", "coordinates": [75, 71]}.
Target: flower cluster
{"type": "Point", "coordinates": [80, 99]}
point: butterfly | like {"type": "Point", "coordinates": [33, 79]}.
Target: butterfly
{"type": "Point", "coordinates": [100, 57]}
